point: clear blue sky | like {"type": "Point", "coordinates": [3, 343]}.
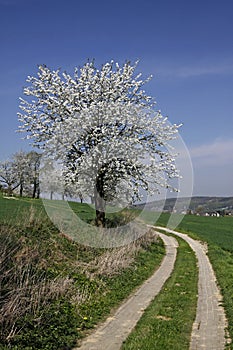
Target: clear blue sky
{"type": "Point", "coordinates": [186, 45]}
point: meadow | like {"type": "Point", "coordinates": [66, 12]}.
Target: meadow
{"type": "Point", "coordinates": [85, 284]}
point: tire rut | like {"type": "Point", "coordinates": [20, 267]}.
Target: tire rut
{"type": "Point", "coordinates": [208, 330]}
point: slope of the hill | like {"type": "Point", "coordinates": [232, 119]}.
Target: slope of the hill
{"type": "Point", "coordinates": [198, 203]}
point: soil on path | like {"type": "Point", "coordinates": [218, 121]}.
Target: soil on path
{"type": "Point", "coordinates": [116, 329]}
{"type": "Point", "coordinates": [209, 326]}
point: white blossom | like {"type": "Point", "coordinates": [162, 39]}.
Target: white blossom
{"type": "Point", "coordinates": [102, 127]}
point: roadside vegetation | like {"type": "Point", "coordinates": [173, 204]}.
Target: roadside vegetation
{"type": "Point", "coordinates": [54, 290]}
{"type": "Point", "coordinates": [218, 233]}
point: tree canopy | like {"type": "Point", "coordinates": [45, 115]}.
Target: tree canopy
{"type": "Point", "coordinates": [103, 128]}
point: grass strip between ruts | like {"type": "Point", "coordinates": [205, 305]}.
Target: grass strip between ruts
{"type": "Point", "coordinates": [167, 322]}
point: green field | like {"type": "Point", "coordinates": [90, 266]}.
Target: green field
{"type": "Point", "coordinates": [214, 230]}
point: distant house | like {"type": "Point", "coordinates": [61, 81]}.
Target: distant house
{"type": "Point", "coordinates": [215, 214]}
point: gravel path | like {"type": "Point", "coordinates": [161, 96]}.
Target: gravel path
{"type": "Point", "coordinates": [116, 329]}
{"type": "Point", "coordinates": [209, 326]}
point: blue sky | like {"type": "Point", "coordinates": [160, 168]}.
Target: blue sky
{"type": "Point", "coordinates": [186, 45]}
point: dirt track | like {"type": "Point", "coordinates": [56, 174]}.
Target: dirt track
{"type": "Point", "coordinates": [111, 334]}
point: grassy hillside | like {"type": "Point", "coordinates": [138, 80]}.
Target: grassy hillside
{"type": "Point", "coordinates": [53, 290]}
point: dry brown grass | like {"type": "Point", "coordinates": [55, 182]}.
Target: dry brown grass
{"type": "Point", "coordinates": [114, 260]}
{"type": "Point", "coordinates": [24, 287]}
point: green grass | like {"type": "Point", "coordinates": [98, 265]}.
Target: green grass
{"type": "Point", "coordinates": [16, 210]}
{"type": "Point", "coordinates": [167, 322]}
{"type": "Point", "coordinates": [216, 230]}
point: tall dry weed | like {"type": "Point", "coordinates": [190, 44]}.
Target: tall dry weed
{"type": "Point", "coordinates": [24, 288]}
{"type": "Point", "coordinates": [114, 260]}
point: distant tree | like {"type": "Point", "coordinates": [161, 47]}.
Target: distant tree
{"type": "Point", "coordinates": [199, 210]}
{"type": "Point", "coordinates": [34, 159]}
{"type": "Point", "coordinates": [21, 173]}
{"type": "Point", "coordinates": [51, 179]}
{"type": "Point", "coordinates": [22, 170]}
{"type": "Point", "coordinates": [102, 127]}
{"type": "Point", "coordinates": [8, 176]}
{"type": "Point", "coordinates": [53, 182]}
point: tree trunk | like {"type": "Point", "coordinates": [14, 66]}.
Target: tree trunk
{"type": "Point", "coordinates": [21, 190]}
{"type": "Point", "coordinates": [100, 218]}
{"type": "Point", "coordinates": [9, 191]}
{"type": "Point", "coordinates": [34, 188]}
{"type": "Point", "coordinates": [99, 203]}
